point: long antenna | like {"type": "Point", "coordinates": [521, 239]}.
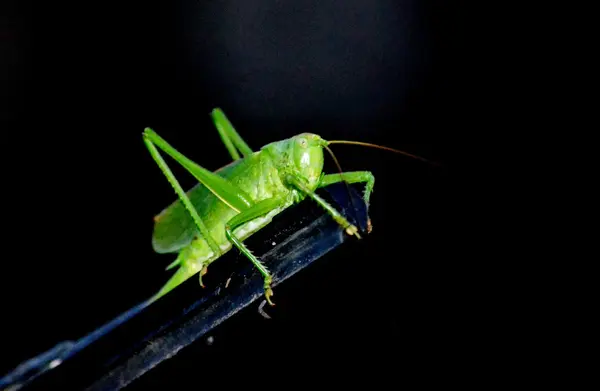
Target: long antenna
{"type": "Point", "coordinates": [381, 147]}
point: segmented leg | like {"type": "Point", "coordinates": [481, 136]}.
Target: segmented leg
{"type": "Point", "coordinates": [229, 135]}
{"type": "Point", "coordinates": [221, 187]}
{"type": "Point", "coordinates": [352, 177]}
{"type": "Point", "coordinates": [300, 184]}
{"type": "Point", "coordinates": [150, 138]}
{"type": "Point", "coordinates": [245, 216]}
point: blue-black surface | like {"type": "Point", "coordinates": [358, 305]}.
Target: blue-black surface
{"type": "Point", "coordinates": [409, 302]}
{"type": "Point", "coordinates": [134, 343]}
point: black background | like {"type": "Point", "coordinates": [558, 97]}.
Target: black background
{"type": "Point", "coordinates": [81, 82]}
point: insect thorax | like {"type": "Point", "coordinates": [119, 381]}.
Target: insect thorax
{"type": "Point", "coordinates": [301, 155]}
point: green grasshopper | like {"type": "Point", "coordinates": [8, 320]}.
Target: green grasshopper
{"type": "Point", "coordinates": [237, 200]}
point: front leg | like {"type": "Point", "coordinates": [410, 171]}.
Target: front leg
{"type": "Point", "coordinates": [299, 183]}
{"type": "Point", "coordinates": [151, 139]}
{"type": "Point", "coordinates": [352, 177]}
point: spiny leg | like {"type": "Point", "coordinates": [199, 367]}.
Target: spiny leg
{"type": "Point", "coordinates": [149, 140]}
{"type": "Point", "coordinates": [221, 187]}
{"type": "Point", "coordinates": [253, 212]}
{"type": "Point", "coordinates": [229, 135]}
{"type": "Point", "coordinates": [300, 184]}
{"type": "Point", "coordinates": [352, 177]}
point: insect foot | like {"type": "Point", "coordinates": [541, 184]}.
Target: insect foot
{"type": "Point", "coordinates": [268, 291]}
{"type": "Point", "coordinates": [203, 272]}
{"type": "Point", "coordinates": [352, 230]}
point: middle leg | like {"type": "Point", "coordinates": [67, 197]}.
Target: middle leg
{"type": "Point", "coordinates": [245, 216]}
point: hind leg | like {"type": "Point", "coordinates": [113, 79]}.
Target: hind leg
{"type": "Point", "coordinates": [230, 137]}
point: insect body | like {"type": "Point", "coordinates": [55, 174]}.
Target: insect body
{"type": "Point", "coordinates": [232, 203]}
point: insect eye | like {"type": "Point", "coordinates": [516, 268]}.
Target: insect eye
{"type": "Point", "coordinates": [303, 143]}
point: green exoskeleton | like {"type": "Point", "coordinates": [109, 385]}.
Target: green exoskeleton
{"type": "Point", "coordinates": [232, 203]}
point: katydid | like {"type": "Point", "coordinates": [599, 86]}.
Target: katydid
{"type": "Point", "coordinates": [237, 200]}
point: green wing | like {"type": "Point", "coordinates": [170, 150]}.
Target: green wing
{"type": "Point", "coordinates": [174, 227]}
